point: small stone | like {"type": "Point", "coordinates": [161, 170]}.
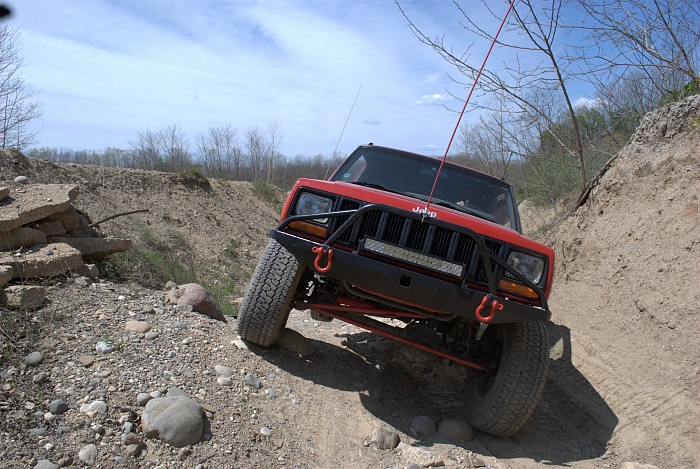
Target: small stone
{"type": "Point", "coordinates": [21, 179]}
{"type": "Point", "coordinates": [94, 407]}
{"type": "Point", "coordinates": [223, 381]}
{"type": "Point", "coordinates": [142, 398]}
{"type": "Point", "coordinates": [295, 342]}
{"type": "Point", "coordinates": [37, 431]}
{"type": "Point", "coordinates": [170, 354]}
{"type": "Point", "coordinates": [252, 381]}
{"type": "Point", "coordinates": [180, 325]}
{"type": "Point", "coordinates": [137, 326]}
{"type": "Point", "coordinates": [184, 308]}
{"type": "Point", "coordinates": [265, 431]}
{"type": "Point", "coordinates": [385, 436]}
{"type": "Point", "coordinates": [240, 344]}
{"type": "Point", "coordinates": [34, 359]}
{"type": "Point", "coordinates": [40, 378]}
{"type": "Point", "coordinates": [422, 426]}
{"type": "Point", "coordinates": [456, 430]}
{"type": "Point", "coordinates": [132, 451]}
{"type": "Point", "coordinates": [151, 335]}
{"type": "Point", "coordinates": [103, 374]}
{"type": "Point", "coordinates": [224, 371]}
{"type": "Point", "coordinates": [147, 309]}
{"type": "Point", "coordinates": [119, 460]}
{"type": "Point", "coordinates": [85, 360]}
{"type": "Point", "coordinates": [58, 407]}
{"type": "Point", "coordinates": [104, 348]}
{"type": "Point", "coordinates": [82, 281]}
{"type": "Point", "coordinates": [45, 464]}
{"type": "Point", "coordinates": [88, 455]}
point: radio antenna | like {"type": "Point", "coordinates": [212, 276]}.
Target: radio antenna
{"type": "Point", "coordinates": [341, 133]}
{"type": "Point", "coordinates": [466, 101]}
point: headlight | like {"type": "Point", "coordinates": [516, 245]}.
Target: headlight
{"type": "Point", "coordinates": [309, 204]}
{"type": "Point", "coordinates": [530, 267]}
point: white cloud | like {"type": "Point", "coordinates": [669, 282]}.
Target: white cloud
{"type": "Point", "coordinates": [586, 102]}
{"type": "Point", "coordinates": [432, 78]}
{"type": "Point", "coordinates": [432, 99]}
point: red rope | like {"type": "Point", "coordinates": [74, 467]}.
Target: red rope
{"type": "Point", "coordinates": [476, 79]}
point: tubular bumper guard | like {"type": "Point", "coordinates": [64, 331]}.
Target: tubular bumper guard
{"type": "Point", "coordinates": [423, 289]}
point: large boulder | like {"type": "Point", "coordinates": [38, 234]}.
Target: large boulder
{"type": "Point", "coordinates": [198, 297]}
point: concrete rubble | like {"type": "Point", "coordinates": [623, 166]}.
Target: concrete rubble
{"type": "Point", "coordinates": [43, 235]}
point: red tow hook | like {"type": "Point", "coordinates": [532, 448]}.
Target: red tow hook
{"type": "Point", "coordinates": [320, 251]}
{"type": "Point", "coordinates": [495, 305]}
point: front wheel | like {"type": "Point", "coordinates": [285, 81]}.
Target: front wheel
{"type": "Point", "coordinates": [501, 401]}
{"type": "Point", "coordinates": [268, 299]}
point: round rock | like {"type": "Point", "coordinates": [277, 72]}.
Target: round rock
{"type": "Point", "coordinates": [58, 407]}
{"type": "Point", "coordinates": [34, 359]}
{"type": "Point", "coordinates": [176, 421]}
{"type": "Point", "coordinates": [456, 430]}
{"type": "Point", "coordinates": [422, 426]}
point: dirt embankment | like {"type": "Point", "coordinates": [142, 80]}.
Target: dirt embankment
{"type": "Point", "coordinates": [624, 374]}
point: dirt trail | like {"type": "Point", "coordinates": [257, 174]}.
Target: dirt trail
{"type": "Point", "coordinates": [624, 373]}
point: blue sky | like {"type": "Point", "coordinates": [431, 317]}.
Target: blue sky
{"type": "Point", "coordinates": [109, 69]}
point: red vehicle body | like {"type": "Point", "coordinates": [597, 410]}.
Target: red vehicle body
{"type": "Point", "coordinates": [438, 247]}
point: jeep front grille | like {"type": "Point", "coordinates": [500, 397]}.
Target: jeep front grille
{"type": "Point", "coordinates": [410, 234]}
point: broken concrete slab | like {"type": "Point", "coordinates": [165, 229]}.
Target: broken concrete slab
{"type": "Point", "coordinates": [34, 202]}
{"type": "Point", "coordinates": [4, 192]}
{"type": "Point", "coordinates": [29, 297]}
{"type": "Point", "coordinates": [95, 248]}
{"type": "Point", "coordinates": [43, 260]}
{"type": "Point", "coordinates": [21, 237]}
{"type": "Point", "coordinates": [5, 274]}
{"type": "Point", "coordinates": [70, 219]}
{"type": "Point", "coordinates": [51, 228]}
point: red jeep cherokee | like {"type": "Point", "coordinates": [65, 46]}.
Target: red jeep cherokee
{"type": "Point", "coordinates": [456, 273]}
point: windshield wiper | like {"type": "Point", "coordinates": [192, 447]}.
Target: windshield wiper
{"type": "Point", "coordinates": [462, 208]}
{"type": "Point", "coordinates": [374, 185]}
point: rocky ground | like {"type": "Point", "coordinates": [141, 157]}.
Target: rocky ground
{"type": "Point", "coordinates": [622, 390]}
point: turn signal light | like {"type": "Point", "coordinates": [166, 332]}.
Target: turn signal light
{"type": "Point", "coordinates": [310, 228]}
{"type": "Point", "coordinates": [518, 289]}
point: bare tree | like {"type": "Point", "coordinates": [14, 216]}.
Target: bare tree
{"type": "Point", "coordinates": [220, 151]}
{"type": "Point", "coordinates": [660, 38]}
{"type": "Point", "coordinates": [538, 93]}
{"type": "Point", "coordinates": [16, 96]}
{"type": "Point", "coordinates": [147, 148]}
{"type": "Point", "coordinates": [175, 148]}
{"type": "Point", "coordinates": [273, 140]}
{"type": "Point", "coordinates": [256, 148]}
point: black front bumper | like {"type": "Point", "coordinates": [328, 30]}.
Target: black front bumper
{"type": "Point", "coordinates": [409, 286]}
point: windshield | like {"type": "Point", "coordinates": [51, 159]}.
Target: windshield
{"type": "Point", "coordinates": [413, 175]}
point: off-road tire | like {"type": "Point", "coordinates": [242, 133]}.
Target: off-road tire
{"type": "Point", "coordinates": [267, 301]}
{"type": "Point", "coordinates": [502, 405]}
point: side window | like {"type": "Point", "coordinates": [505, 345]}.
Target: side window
{"type": "Point", "coordinates": [502, 211]}
{"type": "Point", "coordinates": [354, 171]}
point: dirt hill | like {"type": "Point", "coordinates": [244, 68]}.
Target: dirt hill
{"type": "Point", "coordinates": [627, 290]}
{"type": "Point", "coordinates": [624, 375]}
